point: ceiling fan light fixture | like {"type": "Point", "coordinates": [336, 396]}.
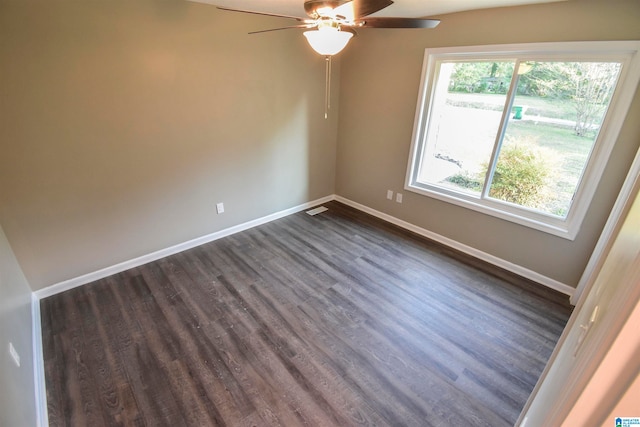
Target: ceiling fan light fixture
{"type": "Point", "coordinates": [328, 41]}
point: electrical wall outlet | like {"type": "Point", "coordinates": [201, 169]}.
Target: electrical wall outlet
{"type": "Point", "coordinates": [399, 197]}
{"type": "Point", "coordinates": [220, 207]}
{"type": "Point", "coordinates": [389, 194]}
{"type": "Point", "coordinates": [14, 354]}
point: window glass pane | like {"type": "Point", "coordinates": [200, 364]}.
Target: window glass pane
{"type": "Point", "coordinates": [467, 105]}
{"type": "Point", "coordinates": [557, 113]}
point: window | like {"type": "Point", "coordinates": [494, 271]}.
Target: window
{"type": "Point", "coordinates": [522, 132]}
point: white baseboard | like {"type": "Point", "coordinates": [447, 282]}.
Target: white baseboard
{"type": "Point", "coordinates": [136, 262]}
{"type": "Point", "coordinates": [42, 415]}
{"type": "Point", "coordinates": [144, 259]}
{"type": "Point", "coordinates": [499, 262]}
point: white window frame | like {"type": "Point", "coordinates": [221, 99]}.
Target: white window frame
{"type": "Point", "coordinates": [625, 52]}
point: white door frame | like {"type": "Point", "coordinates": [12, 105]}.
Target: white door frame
{"type": "Point", "coordinates": [588, 337]}
{"type": "Point", "coordinates": [609, 231]}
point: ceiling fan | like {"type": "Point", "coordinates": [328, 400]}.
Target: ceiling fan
{"type": "Point", "coordinates": [332, 23]}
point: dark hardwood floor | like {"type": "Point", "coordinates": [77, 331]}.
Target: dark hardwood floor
{"type": "Point", "coordinates": [337, 319]}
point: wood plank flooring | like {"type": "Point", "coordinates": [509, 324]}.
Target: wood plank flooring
{"type": "Point", "coordinates": [337, 319]}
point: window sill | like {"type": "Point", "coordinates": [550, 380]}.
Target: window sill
{"type": "Point", "coordinates": [547, 224]}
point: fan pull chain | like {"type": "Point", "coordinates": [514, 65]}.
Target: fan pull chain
{"type": "Point", "coordinates": [327, 90]}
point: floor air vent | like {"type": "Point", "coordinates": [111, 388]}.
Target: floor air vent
{"type": "Point", "coordinates": [316, 211]}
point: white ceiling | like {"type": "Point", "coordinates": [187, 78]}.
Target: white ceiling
{"type": "Point", "coordinates": [400, 8]}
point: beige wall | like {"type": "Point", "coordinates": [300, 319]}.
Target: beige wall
{"type": "Point", "coordinates": [17, 395]}
{"type": "Point", "coordinates": [380, 78]}
{"type": "Point", "coordinates": [122, 123]}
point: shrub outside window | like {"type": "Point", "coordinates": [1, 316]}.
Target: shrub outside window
{"type": "Point", "coordinates": [522, 132]}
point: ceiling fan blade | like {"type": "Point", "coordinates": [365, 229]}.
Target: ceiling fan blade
{"type": "Point", "coordinates": [349, 29]}
{"type": "Point", "coordinates": [396, 23]}
{"type": "Point", "coordinates": [345, 11]}
{"type": "Point", "coordinates": [264, 14]}
{"type": "Point", "coordinates": [363, 8]}
{"type": "Point", "coordinates": [311, 25]}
